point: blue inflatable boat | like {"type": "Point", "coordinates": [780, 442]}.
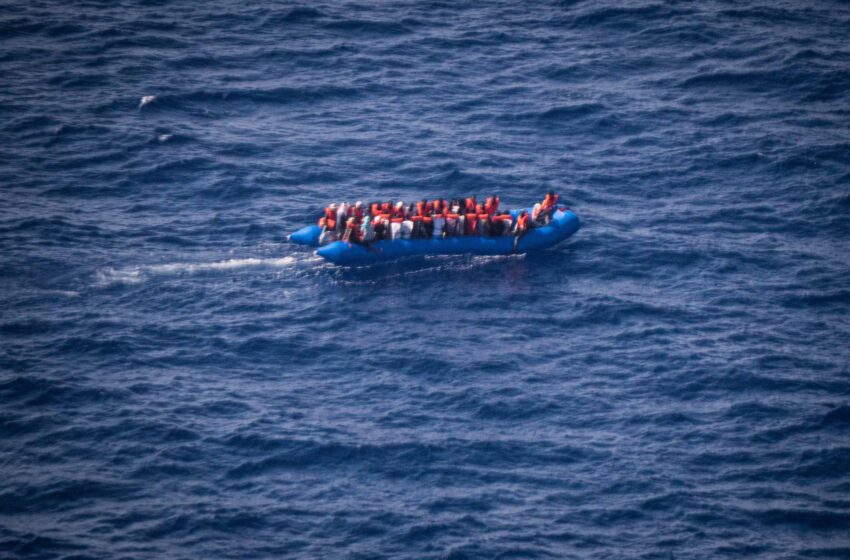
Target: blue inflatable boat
{"type": "Point", "coordinates": [564, 223]}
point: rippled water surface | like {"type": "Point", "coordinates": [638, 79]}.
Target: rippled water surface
{"type": "Point", "coordinates": [178, 381]}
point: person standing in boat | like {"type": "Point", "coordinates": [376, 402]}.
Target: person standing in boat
{"type": "Point", "coordinates": [523, 224]}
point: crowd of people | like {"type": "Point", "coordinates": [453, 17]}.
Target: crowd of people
{"type": "Point", "coordinates": [429, 219]}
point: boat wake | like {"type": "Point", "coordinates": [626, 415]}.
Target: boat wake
{"type": "Point", "coordinates": [135, 274]}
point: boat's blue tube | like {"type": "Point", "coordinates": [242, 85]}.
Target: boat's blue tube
{"type": "Point", "coordinates": [563, 225]}
{"type": "Point", "coordinates": [308, 235]}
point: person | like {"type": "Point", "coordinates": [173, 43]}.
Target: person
{"type": "Point", "coordinates": [341, 217]}
{"type": "Point", "coordinates": [328, 219]}
{"type": "Point", "coordinates": [352, 231]}
{"type": "Point", "coordinates": [523, 224]}
{"type": "Point", "coordinates": [439, 221]}
{"type": "Point", "coordinates": [483, 222]}
{"type": "Point", "coordinates": [367, 230]}
{"type": "Point", "coordinates": [491, 205]}
{"type": "Point", "coordinates": [507, 222]}
{"type": "Point", "coordinates": [471, 224]}
{"type": "Point", "coordinates": [470, 204]}
{"type": "Point", "coordinates": [547, 208]}
{"type": "Point", "coordinates": [496, 226]}
{"type": "Point", "coordinates": [396, 221]}
{"type": "Point", "coordinates": [380, 227]}
{"type": "Point", "coordinates": [452, 221]}
{"type": "Point", "coordinates": [357, 211]}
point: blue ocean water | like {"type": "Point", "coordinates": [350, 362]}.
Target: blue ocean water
{"type": "Point", "coordinates": [178, 381]}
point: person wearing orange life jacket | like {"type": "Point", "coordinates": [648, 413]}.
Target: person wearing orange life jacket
{"type": "Point", "coordinates": [416, 225]}
{"type": "Point", "coordinates": [328, 223]}
{"type": "Point", "coordinates": [481, 218]}
{"type": "Point", "coordinates": [470, 226]}
{"type": "Point", "coordinates": [470, 204]}
{"type": "Point", "coordinates": [352, 230]}
{"type": "Point", "coordinates": [452, 222]}
{"type": "Point", "coordinates": [547, 208]}
{"type": "Point", "coordinates": [417, 216]}
{"type": "Point", "coordinates": [523, 224]}
{"type": "Point", "coordinates": [491, 205]}
{"type": "Point", "coordinates": [428, 224]}
{"type": "Point", "coordinates": [328, 219]}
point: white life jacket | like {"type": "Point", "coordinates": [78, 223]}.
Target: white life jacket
{"type": "Point", "coordinates": [395, 231]}
{"type": "Point", "coordinates": [406, 229]}
{"type": "Point", "coordinates": [341, 217]}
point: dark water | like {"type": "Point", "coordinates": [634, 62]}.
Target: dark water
{"type": "Point", "coordinates": [178, 381]}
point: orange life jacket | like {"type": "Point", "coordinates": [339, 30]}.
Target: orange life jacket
{"type": "Point", "coordinates": [376, 209]}
{"type": "Point", "coordinates": [470, 204]}
{"type": "Point", "coordinates": [329, 219]}
{"type": "Point", "coordinates": [420, 208]}
{"type": "Point", "coordinates": [549, 202]}
{"type": "Point", "coordinates": [522, 222]}
{"type": "Point", "coordinates": [492, 205]}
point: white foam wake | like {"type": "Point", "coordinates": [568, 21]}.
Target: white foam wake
{"type": "Point", "coordinates": [136, 274]}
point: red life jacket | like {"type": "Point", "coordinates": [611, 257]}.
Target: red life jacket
{"type": "Point", "coordinates": [376, 209]}
{"type": "Point", "coordinates": [492, 205]}
{"type": "Point", "coordinates": [420, 208]}
{"type": "Point", "coordinates": [470, 204]}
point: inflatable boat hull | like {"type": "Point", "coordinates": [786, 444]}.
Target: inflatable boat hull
{"type": "Point", "coordinates": [563, 225]}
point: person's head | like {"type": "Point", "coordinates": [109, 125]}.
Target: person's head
{"type": "Point", "coordinates": [551, 194]}
{"type": "Point", "coordinates": [358, 204]}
